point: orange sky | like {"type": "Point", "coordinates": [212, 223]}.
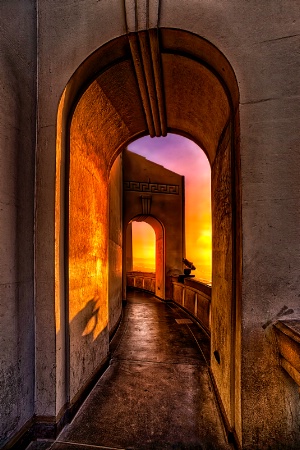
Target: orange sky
{"type": "Point", "coordinates": [183, 156]}
{"type": "Point", "coordinates": [143, 246]}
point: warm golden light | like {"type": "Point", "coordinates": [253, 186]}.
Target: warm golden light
{"type": "Point", "coordinates": [88, 237]}
{"type": "Point", "coordinates": [184, 157]}
{"type": "Point", "coordinates": [143, 247]}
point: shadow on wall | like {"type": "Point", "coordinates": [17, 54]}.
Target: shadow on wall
{"type": "Point", "coordinates": [86, 319]}
{"type": "Point", "coordinates": [88, 347]}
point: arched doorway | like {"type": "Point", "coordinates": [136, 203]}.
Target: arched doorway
{"type": "Point", "coordinates": [180, 155]}
{"type": "Point", "coordinates": [159, 252]}
{"type": "Point", "coordinates": [146, 83]}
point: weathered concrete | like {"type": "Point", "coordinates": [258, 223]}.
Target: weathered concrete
{"type": "Point", "coordinates": [88, 251]}
{"type": "Point", "coordinates": [222, 307]}
{"type": "Point", "coordinates": [17, 147]}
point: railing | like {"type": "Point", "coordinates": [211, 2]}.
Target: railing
{"type": "Point", "coordinates": [194, 296]}
{"type": "Point", "coordinates": [141, 280]}
{"type": "Point", "coordinates": [287, 334]}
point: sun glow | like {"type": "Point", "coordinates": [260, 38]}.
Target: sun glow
{"type": "Point", "coordinates": [143, 247]}
{"type": "Point", "coordinates": [184, 157]}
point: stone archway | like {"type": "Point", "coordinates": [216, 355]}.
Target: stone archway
{"type": "Point", "coordinates": [157, 75]}
{"type": "Point", "coordinates": [150, 82]}
{"type": "Point", "coordinates": [159, 253]}
{"type": "Point", "coordinates": [153, 193]}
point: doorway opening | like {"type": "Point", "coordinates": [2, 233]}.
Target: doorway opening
{"type": "Point", "coordinates": [183, 156]}
{"type": "Point", "coordinates": [144, 251]}
{"type": "Point", "coordinates": [140, 256]}
{"type": "Point", "coordinates": [101, 112]}
{"type": "Point", "coordinates": [143, 247]}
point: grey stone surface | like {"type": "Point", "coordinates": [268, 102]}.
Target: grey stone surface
{"type": "Point", "coordinates": [17, 168]}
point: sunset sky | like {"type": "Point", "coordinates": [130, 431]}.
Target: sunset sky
{"type": "Point", "coordinates": [184, 157]}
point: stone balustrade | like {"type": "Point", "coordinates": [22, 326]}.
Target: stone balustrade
{"type": "Point", "coordinates": [141, 280]}
{"type": "Point", "coordinates": [194, 296]}
{"type": "Point", "coordinates": [287, 334]}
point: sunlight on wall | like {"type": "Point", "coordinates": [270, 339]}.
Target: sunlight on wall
{"type": "Point", "coordinates": [184, 157]}
{"type": "Point", "coordinates": [143, 247]}
{"type": "Point", "coordinates": [88, 235]}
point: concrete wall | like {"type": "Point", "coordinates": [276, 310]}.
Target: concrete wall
{"type": "Point", "coordinates": [115, 244]}
{"type": "Point", "coordinates": [88, 249]}
{"type": "Point", "coordinates": [17, 147]}
{"type": "Point", "coordinates": [95, 246]}
{"type": "Point", "coordinates": [222, 325]}
{"type": "Point", "coordinates": [59, 23]}
{"type": "Point", "coordinates": [260, 39]}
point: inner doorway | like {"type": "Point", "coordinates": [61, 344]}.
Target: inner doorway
{"type": "Point", "coordinates": [143, 247]}
{"type": "Point", "coordinates": [152, 261]}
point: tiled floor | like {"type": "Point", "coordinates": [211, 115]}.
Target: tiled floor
{"type": "Point", "coordinates": [156, 393]}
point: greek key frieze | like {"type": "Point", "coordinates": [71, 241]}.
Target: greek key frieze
{"type": "Point", "coordinates": [153, 188]}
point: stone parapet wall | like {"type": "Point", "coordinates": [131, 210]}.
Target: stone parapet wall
{"type": "Point", "coordinates": [287, 344]}
{"type": "Point", "coordinates": [195, 297]}
{"type": "Point", "coordinates": [141, 280]}
{"type": "Point", "coordinates": [192, 295]}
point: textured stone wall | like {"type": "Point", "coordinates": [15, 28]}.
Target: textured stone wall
{"type": "Point", "coordinates": [17, 147]}
{"type": "Point", "coordinates": [222, 279]}
{"type": "Point", "coordinates": [115, 244]}
{"type": "Point", "coordinates": [260, 40]}
{"type": "Point", "coordinates": [88, 248]}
